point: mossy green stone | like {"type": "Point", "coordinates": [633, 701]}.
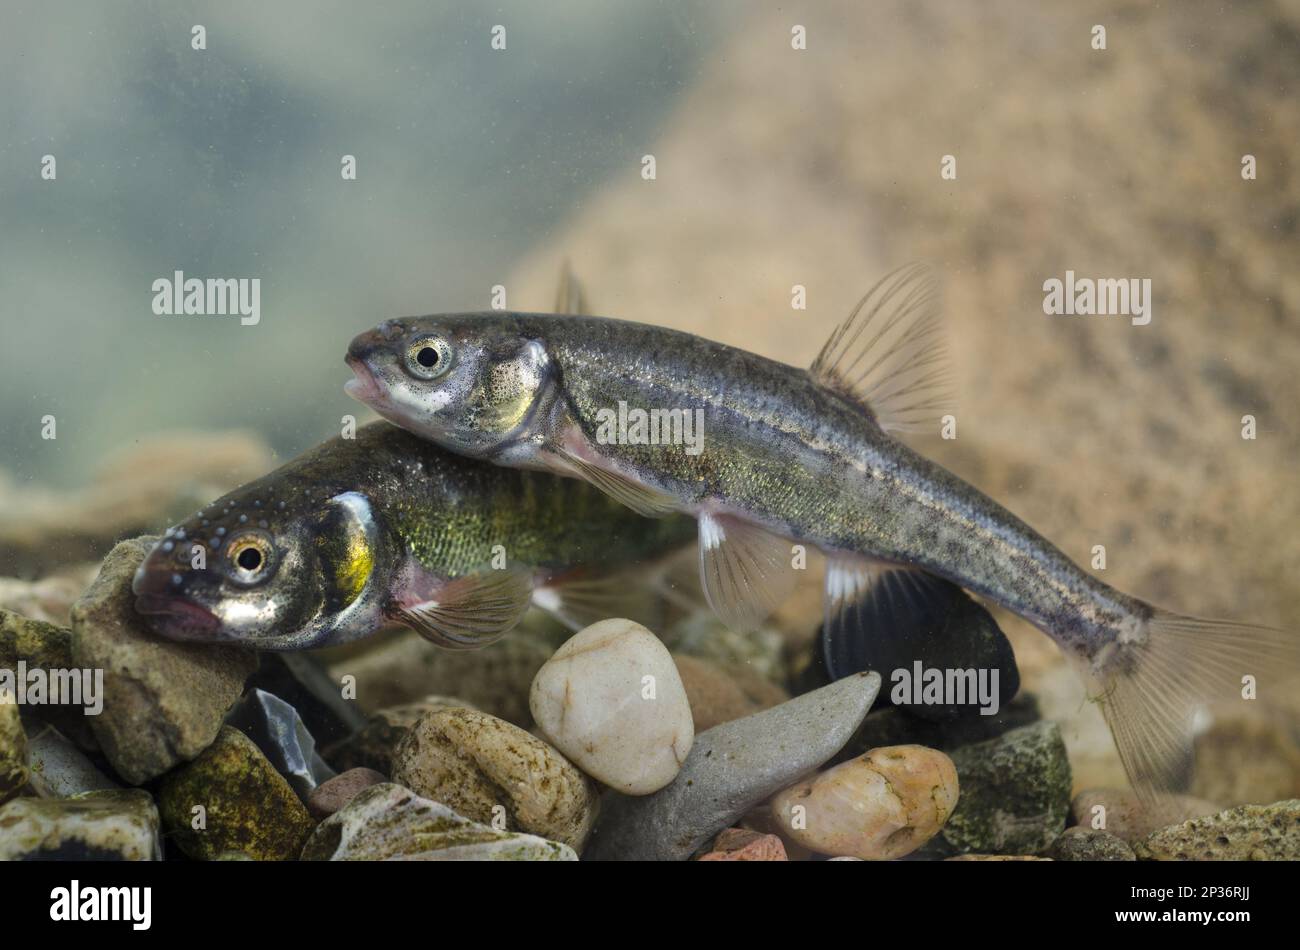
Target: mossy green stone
{"type": "Point", "coordinates": [13, 752]}
{"type": "Point", "coordinates": [1015, 792]}
{"type": "Point", "coordinates": [248, 806]}
{"type": "Point", "coordinates": [42, 645]}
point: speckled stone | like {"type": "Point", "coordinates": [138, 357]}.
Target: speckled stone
{"type": "Point", "coordinates": [490, 771]}
{"type": "Point", "coordinates": [1015, 792]}
{"type": "Point", "coordinates": [372, 745]}
{"type": "Point", "coordinates": [1247, 833]}
{"type": "Point", "coordinates": [164, 701]}
{"type": "Point", "coordinates": [731, 768]}
{"type": "Point", "coordinates": [590, 701]}
{"type": "Point", "coordinates": [877, 807]}
{"type": "Point", "coordinates": [388, 822]}
{"type": "Point", "coordinates": [249, 806]}
{"type": "Point", "coordinates": [98, 826]}
{"type": "Point", "coordinates": [1085, 844]}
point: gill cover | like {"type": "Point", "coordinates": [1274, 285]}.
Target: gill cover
{"type": "Point", "coordinates": [348, 546]}
{"type": "Point", "coordinates": [509, 390]}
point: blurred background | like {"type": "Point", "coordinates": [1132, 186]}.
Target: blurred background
{"type": "Point", "coordinates": [774, 167]}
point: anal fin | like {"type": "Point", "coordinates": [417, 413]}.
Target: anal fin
{"type": "Point", "coordinates": [472, 611]}
{"type": "Point", "coordinates": [745, 569]}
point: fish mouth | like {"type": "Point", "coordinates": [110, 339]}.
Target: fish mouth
{"type": "Point", "coordinates": [364, 387]}
{"type": "Point", "coordinates": [178, 618]}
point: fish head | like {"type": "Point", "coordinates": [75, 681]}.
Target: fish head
{"type": "Point", "coordinates": [471, 383]}
{"type": "Point", "coordinates": [247, 569]}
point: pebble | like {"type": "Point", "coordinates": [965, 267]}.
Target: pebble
{"type": "Point", "coordinates": [1015, 792]}
{"type": "Point", "coordinates": [1247, 833]}
{"type": "Point", "coordinates": [491, 771]}
{"type": "Point", "coordinates": [276, 728]}
{"type": "Point", "coordinates": [247, 806]}
{"type": "Point", "coordinates": [1085, 844]}
{"type": "Point", "coordinates": [1118, 811]}
{"type": "Point", "coordinates": [164, 701]}
{"type": "Point", "coordinates": [372, 745]}
{"type": "Point", "coordinates": [333, 794]}
{"type": "Point", "coordinates": [731, 768]}
{"type": "Point", "coordinates": [13, 751]}
{"type": "Point", "coordinates": [741, 844]}
{"type": "Point", "coordinates": [590, 701]}
{"type": "Point", "coordinates": [98, 826]}
{"type": "Point", "coordinates": [877, 807]}
{"type": "Point", "coordinates": [719, 694]}
{"type": "Point", "coordinates": [388, 822]}
{"type": "Point", "coordinates": [58, 768]}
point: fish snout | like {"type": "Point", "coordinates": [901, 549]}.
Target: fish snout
{"type": "Point", "coordinates": [161, 594]}
{"type": "Point", "coordinates": [364, 344]}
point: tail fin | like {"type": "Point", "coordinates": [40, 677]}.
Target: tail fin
{"type": "Point", "coordinates": [1157, 689]}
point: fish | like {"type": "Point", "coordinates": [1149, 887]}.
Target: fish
{"type": "Point", "coordinates": [388, 529]}
{"type": "Point", "coordinates": [771, 458]}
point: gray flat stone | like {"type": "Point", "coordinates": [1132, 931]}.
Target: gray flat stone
{"type": "Point", "coordinates": [276, 728]}
{"type": "Point", "coordinates": [731, 768]}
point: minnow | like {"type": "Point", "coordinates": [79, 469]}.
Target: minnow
{"type": "Point", "coordinates": [808, 457]}
{"type": "Point", "coordinates": [357, 534]}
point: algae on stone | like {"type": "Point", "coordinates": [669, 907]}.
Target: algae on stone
{"type": "Point", "coordinates": [231, 799]}
{"type": "Point", "coordinates": [1015, 792]}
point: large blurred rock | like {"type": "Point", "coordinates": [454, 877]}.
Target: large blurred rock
{"type": "Point", "coordinates": [151, 482]}
{"type": "Point", "coordinates": [784, 167]}
{"type": "Point", "coordinates": [163, 701]}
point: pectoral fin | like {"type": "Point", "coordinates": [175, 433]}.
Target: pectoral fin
{"type": "Point", "coordinates": [643, 499]}
{"type": "Point", "coordinates": [745, 569]}
{"type": "Point", "coordinates": [472, 611]}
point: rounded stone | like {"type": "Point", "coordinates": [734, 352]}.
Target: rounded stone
{"type": "Point", "coordinates": [879, 806]}
{"type": "Point", "coordinates": [329, 796]}
{"type": "Point", "coordinates": [612, 701]}
{"type": "Point", "coordinates": [495, 773]}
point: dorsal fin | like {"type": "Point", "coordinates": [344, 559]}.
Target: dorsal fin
{"type": "Point", "coordinates": [570, 297]}
{"type": "Point", "coordinates": [890, 355]}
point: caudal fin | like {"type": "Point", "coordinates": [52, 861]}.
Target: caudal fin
{"type": "Point", "coordinates": [1158, 688]}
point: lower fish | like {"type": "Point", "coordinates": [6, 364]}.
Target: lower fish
{"type": "Point", "coordinates": [769, 457]}
{"type": "Point", "coordinates": [358, 534]}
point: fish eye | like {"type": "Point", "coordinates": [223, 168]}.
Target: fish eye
{"type": "Point", "coordinates": [428, 357]}
{"type": "Point", "coordinates": [250, 558]}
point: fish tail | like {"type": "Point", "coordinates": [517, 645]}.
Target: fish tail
{"type": "Point", "coordinates": [1162, 680]}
